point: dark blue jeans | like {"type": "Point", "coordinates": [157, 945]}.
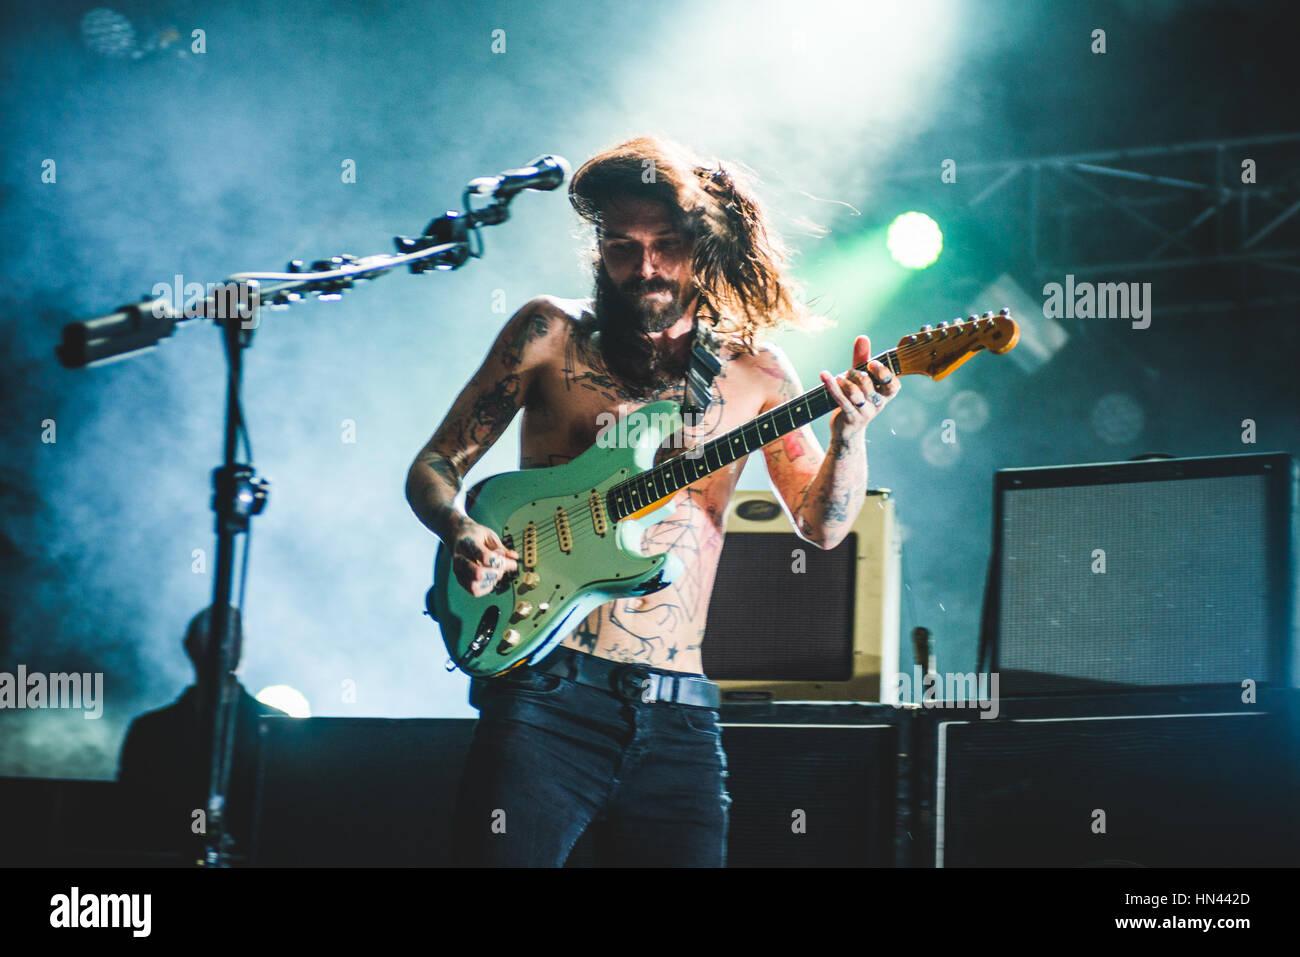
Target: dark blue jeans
{"type": "Point", "coordinates": [551, 756]}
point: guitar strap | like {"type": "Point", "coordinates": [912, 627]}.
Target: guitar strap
{"type": "Point", "coordinates": [705, 363]}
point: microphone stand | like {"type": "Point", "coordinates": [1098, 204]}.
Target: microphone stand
{"type": "Point", "coordinates": [447, 243]}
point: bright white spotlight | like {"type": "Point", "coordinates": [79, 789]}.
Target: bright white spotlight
{"type": "Point", "coordinates": [914, 240]}
{"type": "Point", "coordinates": [289, 700]}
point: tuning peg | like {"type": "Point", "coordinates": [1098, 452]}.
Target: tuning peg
{"type": "Point", "coordinates": [1006, 311]}
{"type": "Point", "coordinates": [927, 328]}
{"type": "Point", "coordinates": [988, 315]}
{"type": "Point", "coordinates": [943, 324]}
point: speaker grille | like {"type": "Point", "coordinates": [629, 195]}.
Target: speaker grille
{"type": "Point", "coordinates": [839, 781]}
{"type": "Point", "coordinates": [1183, 599]}
{"type": "Point", "coordinates": [758, 595]}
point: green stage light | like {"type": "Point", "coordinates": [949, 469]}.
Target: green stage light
{"type": "Point", "coordinates": [914, 240]}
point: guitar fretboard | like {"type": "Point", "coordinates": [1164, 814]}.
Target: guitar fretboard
{"type": "Point", "coordinates": [629, 497]}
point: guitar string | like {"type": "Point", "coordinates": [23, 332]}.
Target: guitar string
{"type": "Point", "coordinates": [578, 515]}
{"type": "Point", "coordinates": [583, 528]}
{"type": "Point", "coordinates": [548, 532]}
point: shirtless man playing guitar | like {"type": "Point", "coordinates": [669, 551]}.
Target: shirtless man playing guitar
{"type": "Point", "coordinates": [561, 747]}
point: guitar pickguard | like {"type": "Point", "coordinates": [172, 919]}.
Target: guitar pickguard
{"type": "Point", "coordinates": [573, 556]}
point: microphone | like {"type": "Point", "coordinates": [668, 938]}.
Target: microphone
{"type": "Point", "coordinates": [544, 173]}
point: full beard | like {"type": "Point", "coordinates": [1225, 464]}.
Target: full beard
{"type": "Point", "coordinates": [626, 319]}
{"type": "Point", "coordinates": [627, 306]}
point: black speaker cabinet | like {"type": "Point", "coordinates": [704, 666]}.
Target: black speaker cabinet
{"type": "Point", "coordinates": [1173, 573]}
{"type": "Point", "coordinates": [77, 823]}
{"type": "Point", "coordinates": [811, 786]}
{"type": "Point", "coordinates": [791, 622]}
{"type": "Point", "coordinates": [358, 792]}
{"type": "Point", "coordinates": [1194, 780]}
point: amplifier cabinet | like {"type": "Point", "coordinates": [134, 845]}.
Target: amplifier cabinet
{"type": "Point", "coordinates": [1193, 780]}
{"type": "Point", "coordinates": [791, 622]}
{"type": "Point", "coordinates": [1122, 576]}
{"type": "Point", "coordinates": [358, 792]}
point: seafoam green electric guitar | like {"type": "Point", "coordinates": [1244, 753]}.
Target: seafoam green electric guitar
{"type": "Point", "coordinates": [578, 527]}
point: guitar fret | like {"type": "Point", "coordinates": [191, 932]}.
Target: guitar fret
{"type": "Point", "coordinates": [789, 418]}
{"type": "Point", "coordinates": [662, 481]}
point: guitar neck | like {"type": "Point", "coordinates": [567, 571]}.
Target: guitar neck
{"type": "Point", "coordinates": [671, 476]}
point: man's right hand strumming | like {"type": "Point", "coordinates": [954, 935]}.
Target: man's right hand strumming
{"type": "Point", "coordinates": [482, 411]}
{"type": "Point", "coordinates": [479, 557]}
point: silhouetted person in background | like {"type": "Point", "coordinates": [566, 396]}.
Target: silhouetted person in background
{"type": "Point", "coordinates": [164, 765]}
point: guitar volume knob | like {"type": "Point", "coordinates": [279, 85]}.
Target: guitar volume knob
{"type": "Point", "coordinates": [523, 609]}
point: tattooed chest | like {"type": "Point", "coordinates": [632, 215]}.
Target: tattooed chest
{"type": "Point", "coordinates": [579, 403]}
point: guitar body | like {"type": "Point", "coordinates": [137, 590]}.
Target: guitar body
{"type": "Point", "coordinates": [487, 636]}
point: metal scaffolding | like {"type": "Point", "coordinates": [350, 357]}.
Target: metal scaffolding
{"type": "Point", "coordinates": [1186, 211]}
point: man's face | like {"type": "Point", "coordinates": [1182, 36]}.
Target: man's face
{"type": "Point", "coordinates": [647, 261]}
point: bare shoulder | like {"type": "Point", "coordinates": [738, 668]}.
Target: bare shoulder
{"type": "Point", "coordinates": [774, 371]}
{"type": "Point", "coordinates": [534, 333]}
{"type": "Point", "coordinates": [550, 319]}
{"type": "Point", "coordinates": [557, 307]}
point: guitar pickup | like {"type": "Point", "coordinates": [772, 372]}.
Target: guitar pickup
{"type": "Point", "coordinates": [530, 546]}
{"type": "Point", "coordinates": [562, 530]}
{"type": "Point", "coordinates": [599, 520]}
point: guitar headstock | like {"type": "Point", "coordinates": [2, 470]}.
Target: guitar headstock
{"type": "Point", "coordinates": [936, 352]}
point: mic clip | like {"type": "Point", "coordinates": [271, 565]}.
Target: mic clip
{"type": "Point", "coordinates": [451, 227]}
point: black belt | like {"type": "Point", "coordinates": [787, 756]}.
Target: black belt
{"type": "Point", "coordinates": [632, 682]}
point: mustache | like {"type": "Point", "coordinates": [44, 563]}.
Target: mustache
{"type": "Point", "coordinates": [637, 286]}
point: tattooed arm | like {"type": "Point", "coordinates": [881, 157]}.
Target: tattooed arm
{"type": "Point", "coordinates": [477, 418]}
{"type": "Point", "coordinates": [823, 492]}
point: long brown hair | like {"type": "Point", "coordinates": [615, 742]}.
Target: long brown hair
{"type": "Point", "coordinates": [738, 263]}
